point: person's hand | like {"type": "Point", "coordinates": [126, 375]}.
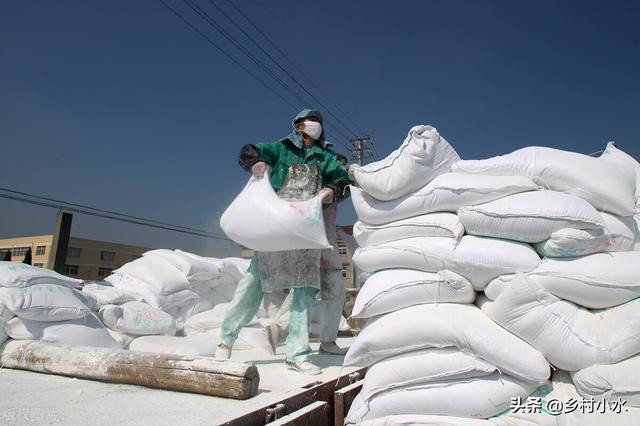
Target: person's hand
{"type": "Point", "coordinates": [258, 169]}
{"type": "Point", "coordinates": [326, 195]}
{"type": "Point", "coordinates": [352, 169]}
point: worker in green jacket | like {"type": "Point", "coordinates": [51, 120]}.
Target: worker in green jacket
{"type": "Point", "coordinates": [302, 168]}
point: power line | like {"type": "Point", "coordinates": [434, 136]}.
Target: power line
{"type": "Point", "coordinates": [211, 42]}
{"type": "Point", "coordinates": [266, 37]}
{"type": "Point", "coordinates": [223, 51]}
{"type": "Point", "coordinates": [255, 43]}
{"type": "Point", "coordinates": [123, 218]}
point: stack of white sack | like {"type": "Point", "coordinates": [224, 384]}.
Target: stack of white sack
{"type": "Point", "coordinates": [429, 350]}
{"type": "Point", "coordinates": [160, 278]}
{"type": "Point", "coordinates": [221, 288]}
{"type": "Point", "coordinates": [574, 228]}
{"type": "Point", "coordinates": [40, 304]}
{"type": "Point", "coordinates": [562, 403]}
{"type": "Point", "coordinates": [579, 306]}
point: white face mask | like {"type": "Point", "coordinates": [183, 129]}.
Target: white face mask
{"type": "Point", "coordinates": [313, 129]}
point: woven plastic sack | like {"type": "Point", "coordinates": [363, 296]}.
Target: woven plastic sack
{"type": "Point", "coordinates": [446, 193]}
{"type": "Point", "coordinates": [608, 185]}
{"type": "Point", "coordinates": [478, 259]}
{"type": "Point", "coordinates": [570, 337]}
{"type": "Point", "coordinates": [44, 302]}
{"type": "Point", "coordinates": [609, 382]}
{"type": "Point", "coordinates": [423, 155]}
{"type": "Point", "coordinates": [13, 274]}
{"type": "Point", "coordinates": [262, 221]}
{"type": "Point", "coordinates": [137, 318]}
{"type": "Point", "coordinates": [447, 325]}
{"type": "Point", "coordinates": [428, 225]}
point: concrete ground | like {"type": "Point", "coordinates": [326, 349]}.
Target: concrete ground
{"type": "Point", "coordinates": [28, 398]}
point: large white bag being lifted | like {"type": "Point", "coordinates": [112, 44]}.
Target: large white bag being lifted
{"type": "Point", "coordinates": [393, 289]}
{"type": "Point", "coordinates": [423, 155]}
{"type": "Point", "coordinates": [608, 185]}
{"type": "Point", "coordinates": [570, 337]}
{"type": "Point", "coordinates": [262, 221]}
{"type": "Point", "coordinates": [446, 193]}
{"type": "Point", "coordinates": [482, 397]}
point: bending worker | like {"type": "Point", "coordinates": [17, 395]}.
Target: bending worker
{"type": "Point", "coordinates": [302, 167]}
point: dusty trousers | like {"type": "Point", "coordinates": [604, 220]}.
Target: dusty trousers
{"type": "Point", "coordinates": [246, 302]}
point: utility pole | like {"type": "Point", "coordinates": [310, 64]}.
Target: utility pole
{"type": "Point", "coordinates": [361, 148]}
{"type": "Point", "coordinates": [60, 241]}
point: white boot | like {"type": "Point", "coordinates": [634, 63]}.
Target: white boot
{"type": "Point", "coordinates": [223, 351]}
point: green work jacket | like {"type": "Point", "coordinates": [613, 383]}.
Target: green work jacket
{"type": "Point", "coordinates": [282, 154]}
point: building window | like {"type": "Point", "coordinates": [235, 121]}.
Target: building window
{"type": "Point", "coordinates": [39, 265]}
{"type": "Point", "coordinates": [104, 272]}
{"type": "Point", "coordinates": [41, 250]}
{"type": "Point", "coordinates": [71, 269]}
{"type": "Point", "coordinates": [107, 256]}
{"type": "Point", "coordinates": [73, 252]}
{"type": "Point", "coordinates": [342, 251]}
{"type": "Point", "coordinates": [19, 251]}
{"type": "Point", "coordinates": [344, 273]}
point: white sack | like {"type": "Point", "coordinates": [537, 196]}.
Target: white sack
{"type": "Point", "coordinates": [597, 281]}
{"type": "Point", "coordinates": [423, 366]}
{"type": "Point", "coordinates": [608, 186]}
{"type": "Point", "coordinates": [87, 331]}
{"type": "Point", "coordinates": [609, 382]}
{"type": "Point", "coordinates": [447, 325]}
{"type": "Point", "coordinates": [137, 318]}
{"type": "Point", "coordinates": [171, 345]}
{"type": "Point", "coordinates": [613, 153]}
{"type": "Point", "coordinates": [107, 295]}
{"type": "Point", "coordinates": [423, 155]}
{"type": "Point", "coordinates": [618, 234]}
{"type": "Point", "coordinates": [428, 225]}
{"type": "Point", "coordinates": [530, 217]}
{"type": "Point", "coordinates": [44, 302]}
{"type": "Point", "coordinates": [562, 389]}
{"type": "Point", "coordinates": [194, 267]}
{"type": "Point", "coordinates": [478, 259]}
{"type": "Point", "coordinates": [424, 419]}
{"type": "Point", "coordinates": [570, 337]}
{"type": "Point", "coordinates": [262, 221]}
{"type": "Point", "coordinates": [481, 397]}
{"type": "Point", "coordinates": [153, 275]}
{"type": "Point", "coordinates": [446, 193]}
{"type": "Point", "coordinates": [14, 274]}
{"type": "Point", "coordinates": [393, 289]}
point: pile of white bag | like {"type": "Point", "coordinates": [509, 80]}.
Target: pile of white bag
{"type": "Point", "coordinates": [485, 225]}
{"type": "Point", "coordinates": [153, 304]}
{"type": "Point", "coordinates": [39, 304]}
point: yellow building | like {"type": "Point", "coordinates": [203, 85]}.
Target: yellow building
{"type": "Point", "coordinates": [86, 259]}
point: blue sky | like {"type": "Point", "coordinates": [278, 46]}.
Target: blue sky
{"type": "Point", "coordinates": [120, 105]}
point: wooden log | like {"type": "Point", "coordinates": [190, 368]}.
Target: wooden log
{"type": "Point", "coordinates": [204, 375]}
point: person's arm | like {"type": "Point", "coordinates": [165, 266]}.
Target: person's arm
{"type": "Point", "coordinates": [336, 178]}
{"type": "Point", "coordinates": [251, 156]}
